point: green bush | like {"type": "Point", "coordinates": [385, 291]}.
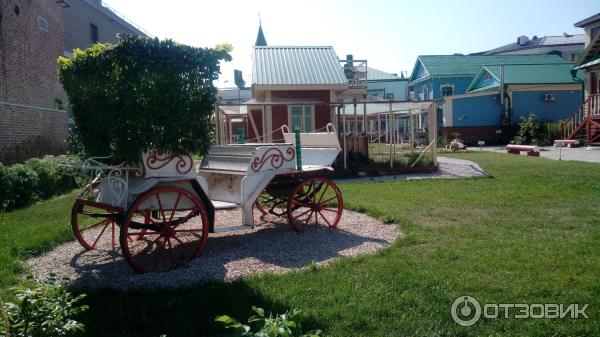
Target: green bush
{"type": "Point", "coordinates": [142, 94]}
{"type": "Point", "coordinates": [45, 310]}
{"type": "Point", "coordinates": [36, 179]}
{"type": "Point", "coordinates": [24, 185]}
{"type": "Point", "coordinates": [532, 131]}
{"type": "Point", "coordinates": [278, 325]}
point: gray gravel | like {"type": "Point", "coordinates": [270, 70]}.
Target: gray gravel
{"type": "Point", "coordinates": [447, 168]}
{"type": "Point", "coordinates": [271, 247]}
{"type": "Point", "coordinates": [591, 154]}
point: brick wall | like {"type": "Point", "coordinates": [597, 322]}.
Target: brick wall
{"type": "Point", "coordinates": [30, 122]}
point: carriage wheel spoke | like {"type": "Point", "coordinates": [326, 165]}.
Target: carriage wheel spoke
{"type": "Point", "coordinates": [99, 223]}
{"type": "Point", "coordinates": [113, 234]}
{"type": "Point", "coordinates": [160, 208]}
{"type": "Point", "coordinates": [175, 208]}
{"type": "Point", "coordinates": [324, 218]}
{"type": "Point", "coordinates": [185, 245]}
{"type": "Point", "coordinates": [100, 235]}
{"type": "Point", "coordinates": [299, 215]}
{"type": "Point", "coordinates": [143, 233]}
{"type": "Point", "coordinates": [147, 217]}
{"type": "Point", "coordinates": [323, 194]}
{"type": "Point", "coordinates": [185, 218]}
{"type": "Point", "coordinates": [329, 209]}
{"type": "Point", "coordinates": [307, 221]}
{"type": "Point", "coordinates": [328, 200]}
{"type": "Point", "coordinates": [149, 246]}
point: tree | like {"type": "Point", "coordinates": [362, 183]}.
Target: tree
{"type": "Point", "coordinates": [142, 94]}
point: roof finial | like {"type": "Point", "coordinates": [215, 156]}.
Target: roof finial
{"type": "Point", "coordinates": [260, 37]}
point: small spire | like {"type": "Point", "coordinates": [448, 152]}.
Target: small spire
{"type": "Point", "coordinates": [260, 38]}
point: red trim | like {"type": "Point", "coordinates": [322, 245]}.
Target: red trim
{"type": "Point", "coordinates": [275, 155]}
{"type": "Point", "coordinates": [183, 166]}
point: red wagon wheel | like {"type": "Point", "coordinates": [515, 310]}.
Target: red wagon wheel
{"type": "Point", "coordinates": [165, 227]}
{"type": "Point", "coordinates": [315, 201]}
{"type": "Point", "coordinates": [261, 201]}
{"type": "Point", "coordinates": [266, 202]}
{"type": "Point", "coordinates": [93, 224]}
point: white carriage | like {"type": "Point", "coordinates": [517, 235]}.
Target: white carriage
{"type": "Point", "coordinates": [165, 209]}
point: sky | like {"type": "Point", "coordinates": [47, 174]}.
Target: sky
{"type": "Point", "coordinates": [389, 34]}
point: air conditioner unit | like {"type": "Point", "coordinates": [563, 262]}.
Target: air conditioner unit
{"type": "Point", "coordinates": [549, 97]}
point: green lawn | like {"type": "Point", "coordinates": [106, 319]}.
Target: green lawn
{"type": "Point", "coordinates": [29, 231]}
{"type": "Point", "coordinates": [528, 234]}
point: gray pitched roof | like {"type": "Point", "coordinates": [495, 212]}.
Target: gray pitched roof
{"type": "Point", "coordinates": [378, 75]}
{"type": "Point", "coordinates": [587, 21]}
{"type": "Point", "coordinates": [544, 41]}
{"type": "Point", "coordinates": [295, 65]}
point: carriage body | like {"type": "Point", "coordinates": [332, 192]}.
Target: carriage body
{"type": "Point", "coordinates": [164, 209]}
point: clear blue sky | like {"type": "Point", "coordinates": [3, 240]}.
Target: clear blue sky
{"type": "Point", "coordinates": [390, 34]}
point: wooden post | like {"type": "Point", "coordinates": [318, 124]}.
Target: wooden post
{"type": "Point", "coordinates": [391, 133]}
{"type": "Point", "coordinates": [379, 133]}
{"type": "Point", "coordinates": [412, 131]}
{"type": "Point", "coordinates": [432, 119]}
{"type": "Point", "coordinates": [344, 136]}
{"type": "Point", "coordinates": [355, 126]}
{"type": "Point", "coordinates": [364, 126]}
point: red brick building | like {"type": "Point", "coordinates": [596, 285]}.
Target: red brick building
{"type": "Point", "coordinates": [32, 116]}
{"type": "Point", "coordinates": [33, 34]}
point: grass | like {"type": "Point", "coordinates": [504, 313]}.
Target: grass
{"type": "Point", "coordinates": [528, 234]}
{"type": "Point", "coordinates": [29, 231]}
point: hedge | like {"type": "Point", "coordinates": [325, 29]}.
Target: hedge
{"type": "Point", "coordinates": [36, 179]}
{"type": "Point", "coordinates": [142, 94]}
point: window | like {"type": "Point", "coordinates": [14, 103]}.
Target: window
{"type": "Point", "coordinates": [594, 32]}
{"type": "Point", "coordinates": [94, 33]}
{"type": "Point", "coordinates": [447, 90]}
{"type": "Point", "coordinates": [574, 58]}
{"type": "Point", "coordinates": [389, 96]}
{"type": "Point", "coordinates": [42, 23]}
{"type": "Point", "coordinates": [301, 116]}
{"type": "Point", "coordinates": [376, 93]}
{"type": "Point", "coordinates": [425, 93]}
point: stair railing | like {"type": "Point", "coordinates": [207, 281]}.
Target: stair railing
{"type": "Point", "coordinates": [590, 107]}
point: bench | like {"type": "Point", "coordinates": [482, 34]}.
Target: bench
{"type": "Point", "coordinates": [531, 151]}
{"type": "Point", "coordinates": [566, 142]}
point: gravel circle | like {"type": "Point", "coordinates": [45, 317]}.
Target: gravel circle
{"type": "Point", "coordinates": [272, 246]}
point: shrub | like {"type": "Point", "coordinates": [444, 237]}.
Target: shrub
{"type": "Point", "coordinates": [24, 183]}
{"type": "Point", "coordinates": [5, 187]}
{"type": "Point", "coordinates": [532, 131]}
{"type": "Point", "coordinates": [287, 325]}
{"type": "Point", "coordinates": [142, 94]}
{"type": "Point", "coordinates": [36, 179]}
{"type": "Point", "coordinates": [45, 310]}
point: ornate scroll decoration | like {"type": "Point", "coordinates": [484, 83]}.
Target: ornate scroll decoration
{"type": "Point", "coordinates": [184, 164]}
{"type": "Point", "coordinates": [117, 185]}
{"type": "Point", "coordinates": [275, 156]}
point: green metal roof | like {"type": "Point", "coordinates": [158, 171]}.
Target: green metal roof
{"type": "Point", "coordinates": [589, 64]}
{"type": "Point", "coordinates": [468, 65]}
{"type": "Point", "coordinates": [557, 73]}
{"type": "Point", "coordinates": [293, 65]}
